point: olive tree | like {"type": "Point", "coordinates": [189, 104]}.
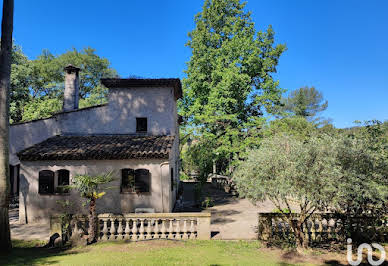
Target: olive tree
{"type": "Point", "coordinates": [90, 188]}
{"type": "Point", "coordinates": [362, 186]}
{"type": "Point", "coordinates": [291, 172]}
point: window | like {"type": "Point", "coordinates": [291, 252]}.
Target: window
{"type": "Point", "coordinates": [172, 178]}
{"type": "Point", "coordinates": [46, 182]}
{"type": "Point", "coordinates": [63, 180]}
{"type": "Point", "coordinates": [141, 124]}
{"type": "Point", "coordinates": [135, 180]}
{"type": "Point", "coordinates": [127, 180]}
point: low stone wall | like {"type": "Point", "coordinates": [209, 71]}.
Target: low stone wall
{"type": "Point", "coordinates": [319, 227]}
{"type": "Point", "coordinates": [142, 226]}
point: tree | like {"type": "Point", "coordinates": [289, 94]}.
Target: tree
{"type": "Point", "coordinates": [5, 74]}
{"type": "Point", "coordinates": [229, 82]}
{"type": "Point", "coordinates": [363, 181]}
{"type": "Point", "coordinates": [90, 189]}
{"type": "Point", "coordinates": [295, 126]}
{"type": "Point", "coordinates": [20, 83]}
{"type": "Point", "coordinates": [290, 171]}
{"type": "Point", "coordinates": [38, 84]}
{"type": "Point", "coordinates": [305, 102]}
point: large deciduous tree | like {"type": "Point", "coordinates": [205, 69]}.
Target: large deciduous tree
{"type": "Point", "coordinates": [37, 85]}
{"type": "Point", "coordinates": [5, 73]}
{"type": "Point", "coordinates": [229, 82]}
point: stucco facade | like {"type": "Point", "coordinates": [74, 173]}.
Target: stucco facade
{"type": "Point", "coordinates": [118, 117]}
{"type": "Point", "coordinates": [35, 207]}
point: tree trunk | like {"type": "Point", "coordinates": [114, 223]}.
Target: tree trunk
{"type": "Point", "coordinates": [5, 72]}
{"type": "Point", "coordinates": [300, 238]}
{"type": "Point", "coordinates": [92, 222]}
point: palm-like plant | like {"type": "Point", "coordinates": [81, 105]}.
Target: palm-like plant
{"type": "Point", "coordinates": [90, 189]}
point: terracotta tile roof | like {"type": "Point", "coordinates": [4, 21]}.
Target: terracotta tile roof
{"type": "Point", "coordinates": [135, 83]}
{"type": "Point", "coordinates": [99, 147]}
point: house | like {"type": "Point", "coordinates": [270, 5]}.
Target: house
{"type": "Point", "coordinates": [134, 135]}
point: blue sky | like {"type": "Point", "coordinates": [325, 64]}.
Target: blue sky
{"type": "Point", "coordinates": [340, 47]}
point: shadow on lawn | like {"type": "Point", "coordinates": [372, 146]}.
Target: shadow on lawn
{"type": "Point", "coordinates": [31, 254]}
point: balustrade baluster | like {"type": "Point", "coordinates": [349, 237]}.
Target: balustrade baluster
{"type": "Point", "coordinates": [330, 229]}
{"type": "Point", "coordinates": [178, 229]}
{"type": "Point", "coordinates": [313, 230]}
{"type": "Point", "coordinates": [112, 229]}
{"type": "Point", "coordinates": [185, 236]}
{"type": "Point", "coordinates": [75, 232]}
{"type": "Point", "coordinates": [127, 229]}
{"type": "Point", "coordinates": [320, 229]}
{"type": "Point", "coordinates": [306, 230]}
{"type": "Point", "coordinates": [120, 229]}
{"type": "Point", "coordinates": [134, 229]}
{"type": "Point", "coordinates": [149, 229]}
{"type": "Point", "coordinates": [170, 230]}
{"type": "Point", "coordinates": [105, 230]}
{"type": "Point", "coordinates": [156, 229]}
{"type": "Point", "coordinates": [192, 230]}
{"type": "Point", "coordinates": [163, 230]}
{"type": "Point", "coordinates": [141, 231]}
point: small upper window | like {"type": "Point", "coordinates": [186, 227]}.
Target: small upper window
{"type": "Point", "coordinates": [141, 124]}
{"type": "Point", "coordinates": [46, 182]}
{"type": "Point", "coordinates": [63, 180]}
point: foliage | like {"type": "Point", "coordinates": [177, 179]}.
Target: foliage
{"type": "Point", "coordinates": [295, 126]}
{"type": "Point", "coordinates": [66, 217]}
{"type": "Point", "coordinates": [229, 82]}
{"type": "Point", "coordinates": [90, 188]}
{"type": "Point", "coordinates": [41, 108]}
{"type": "Point", "coordinates": [207, 202]}
{"type": "Point", "coordinates": [198, 157]}
{"type": "Point", "coordinates": [363, 182]}
{"type": "Point", "coordinates": [306, 102]}
{"type": "Point", "coordinates": [37, 85]}
{"type": "Point", "coordinates": [20, 82]}
{"type": "Point", "coordinates": [184, 176]}
{"type": "Point", "coordinates": [289, 171]}
{"type": "Point", "coordinates": [343, 171]}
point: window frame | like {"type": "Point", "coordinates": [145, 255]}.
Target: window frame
{"type": "Point", "coordinates": [131, 188]}
{"type": "Point", "coordinates": [51, 190]}
{"type": "Point", "coordinates": [58, 188]}
{"type": "Point", "coordinates": [138, 125]}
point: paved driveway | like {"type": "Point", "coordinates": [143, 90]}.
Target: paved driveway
{"type": "Point", "coordinates": [232, 217]}
{"type": "Point", "coordinates": [27, 231]}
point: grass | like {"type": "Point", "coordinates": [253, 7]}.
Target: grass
{"type": "Point", "coordinates": [157, 252]}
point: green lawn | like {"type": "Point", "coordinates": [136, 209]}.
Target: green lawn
{"type": "Point", "coordinates": [157, 252]}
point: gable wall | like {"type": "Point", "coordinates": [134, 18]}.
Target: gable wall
{"type": "Point", "coordinates": [117, 117]}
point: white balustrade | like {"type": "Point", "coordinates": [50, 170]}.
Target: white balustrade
{"type": "Point", "coordinates": [144, 226]}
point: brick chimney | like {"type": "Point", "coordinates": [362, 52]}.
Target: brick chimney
{"type": "Point", "coordinates": [70, 97]}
